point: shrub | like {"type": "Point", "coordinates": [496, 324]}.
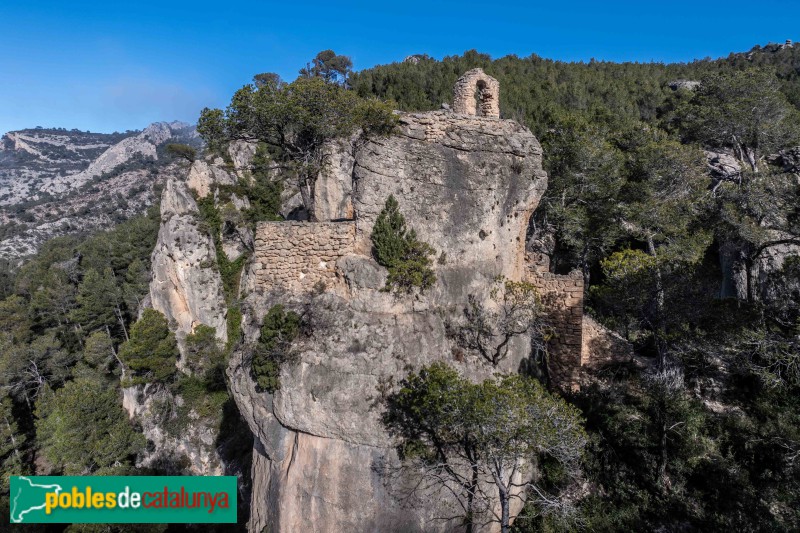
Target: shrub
{"type": "Point", "coordinates": [398, 249]}
{"type": "Point", "coordinates": [152, 351]}
{"type": "Point", "coordinates": [204, 356]}
{"type": "Point", "coordinates": [181, 151]}
{"type": "Point", "coordinates": [278, 331]}
{"type": "Point", "coordinates": [211, 221]}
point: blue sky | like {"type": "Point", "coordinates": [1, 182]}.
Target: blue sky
{"type": "Point", "coordinates": [109, 66]}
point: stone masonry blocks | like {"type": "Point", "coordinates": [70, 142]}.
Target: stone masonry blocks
{"type": "Point", "coordinates": [562, 296]}
{"type": "Point", "coordinates": [488, 88]}
{"type": "Point", "coordinates": [296, 256]}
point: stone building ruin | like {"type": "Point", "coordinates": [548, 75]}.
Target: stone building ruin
{"type": "Point", "coordinates": [451, 172]}
{"type": "Point", "coordinates": [477, 94]}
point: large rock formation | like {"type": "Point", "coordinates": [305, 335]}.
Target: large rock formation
{"type": "Point", "coordinates": [185, 287]}
{"type": "Point", "coordinates": [468, 186]}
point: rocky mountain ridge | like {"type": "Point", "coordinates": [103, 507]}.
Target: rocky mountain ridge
{"type": "Point", "coordinates": [56, 182]}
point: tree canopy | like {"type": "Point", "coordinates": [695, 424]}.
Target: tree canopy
{"type": "Point", "coordinates": [479, 442]}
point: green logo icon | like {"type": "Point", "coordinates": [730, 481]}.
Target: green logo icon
{"type": "Point", "coordinates": [122, 499]}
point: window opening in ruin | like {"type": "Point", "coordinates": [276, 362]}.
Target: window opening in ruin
{"type": "Point", "coordinates": [480, 88]}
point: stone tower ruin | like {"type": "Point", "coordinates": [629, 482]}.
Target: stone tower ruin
{"type": "Point", "coordinates": [477, 94]}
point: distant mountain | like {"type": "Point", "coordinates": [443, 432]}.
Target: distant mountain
{"type": "Point", "coordinates": [57, 182]}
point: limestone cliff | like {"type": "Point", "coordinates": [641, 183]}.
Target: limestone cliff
{"type": "Point", "coordinates": [468, 185]}
{"type": "Point", "coordinates": [187, 288]}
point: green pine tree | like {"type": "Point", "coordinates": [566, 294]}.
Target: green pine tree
{"type": "Point", "coordinates": [152, 351]}
{"type": "Point", "coordinates": [398, 249]}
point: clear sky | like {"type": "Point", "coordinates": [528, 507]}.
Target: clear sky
{"type": "Point", "coordinates": [118, 65]}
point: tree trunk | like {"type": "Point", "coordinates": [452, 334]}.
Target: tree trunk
{"type": "Point", "coordinates": [118, 312]}
{"type": "Point", "coordinates": [473, 486]}
{"type": "Point", "coordinates": [307, 193]}
{"type": "Point", "coordinates": [585, 266]}
{"type": "Point", "coordinates": [504, 496]}
{"type": "Point", "coordinates": [659, 305]}
{"type": "Point", "coordinates": [504, 518]}
{"type": "Point", "coordinates": [662, 459]}
{"type": "Point", "coordinates": [114, 353]}
{"type": "Point", "coordinates": [751, 159]}
{"type": "Point", "coordinates": [13, 440]}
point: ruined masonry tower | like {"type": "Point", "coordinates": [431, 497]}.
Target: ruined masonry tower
{"type": "Point", "coordinates": [475, 85]}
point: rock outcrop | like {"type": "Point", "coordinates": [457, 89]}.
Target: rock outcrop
{"type": "Point", "coordinates": [723, 166]}
{"type": "Point", "coordinates": [467, 183]}
{"type": "Point", "coordinates": [788, 160]}
{"type": "Point", "coordinates": [468, 186]}
{"type": "Point", "coordinates": [686, 85]}
{"type": "Point", "coordinates": [192, 449]}
{"type": "Point", "coordinates": [185, 286]}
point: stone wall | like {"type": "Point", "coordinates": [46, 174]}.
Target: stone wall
{"type": "Point", "coordinates": [296, 256]}
{"type": "Point", "coordinates": [488, 88]}
{"type": "Point", "coordinates": [602, 346]}
{"type": "Point", "coordinates": [562, 296]}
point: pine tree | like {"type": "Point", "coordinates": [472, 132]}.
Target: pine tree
{"type": "Point", "coordinates": [278, 330]}
{"type": "Point", "coordinates": [82, 429]}
{"type": "Point", "coordinates": [98, 301]}
{"type": "Point", "coordinates": [152, 351]}
{"type": "Point", "coordinates": [400, 251]}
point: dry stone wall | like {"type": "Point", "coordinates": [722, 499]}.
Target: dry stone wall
{"type": "Point", "coordinates": [562, 296]}
{"type": "Point", "coordinates": [296, 256]}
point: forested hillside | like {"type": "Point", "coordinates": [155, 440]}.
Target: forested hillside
{"type": "Point", "coordinates": [537, 91]}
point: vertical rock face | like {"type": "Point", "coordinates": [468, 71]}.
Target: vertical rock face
{"type": "Point", "coordinates": [468, 186]}
{"type": "Point", "coordinates": [333, 190]}
{"type": "Point", "coordinates": [187, 289]}
{"type": "Point", "coordinates": [185, 286]}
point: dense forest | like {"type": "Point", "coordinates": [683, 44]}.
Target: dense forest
{"type": "Point", "coordinates": [700, 431]}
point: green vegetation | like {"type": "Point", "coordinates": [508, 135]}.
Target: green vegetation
{"type": "Point", "coordinates": [462, 436]}
{"type": "Point", "coordinates": [230, 271]}
{"type": "Point", "coordinates": [702, 434]}
{"type": "Point", "coordinates": [204, 357]}
{"type": "Point", "coordinates": [273, 349]}
{"type": "Point", "coordinates": [152, 351]}
{"type": "Point", "coordinates": [742, 110]}
{"type": "Point", "coordinates": [329, 66]}
{"type": "Point", "coordinates": [398, 249]}
{"type": "Point", "coordinates": [294, 120]}
{"type": "Point", "coordinates": [181, 151]}
{"type": "Point", "coordinates": [82, 429]}
{"type": "Point", "coordinates": [64, 314]}
{"type": "Point", "coordinates": [265, 192]}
